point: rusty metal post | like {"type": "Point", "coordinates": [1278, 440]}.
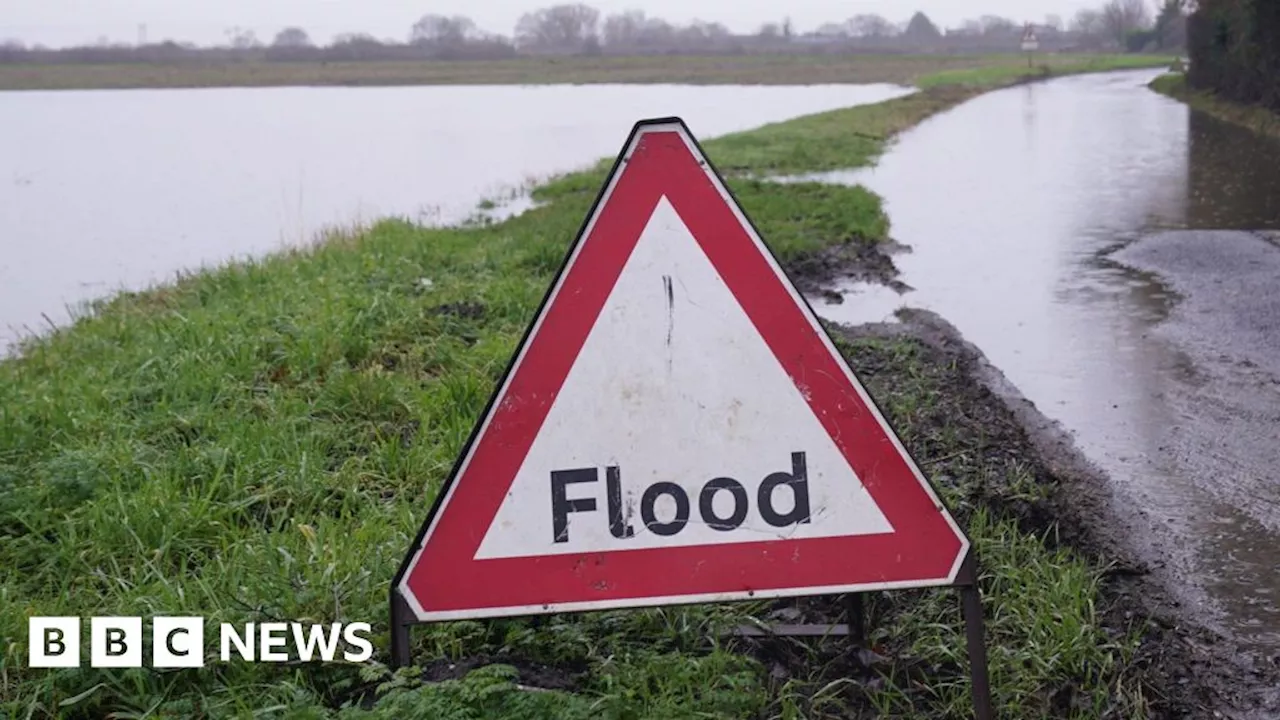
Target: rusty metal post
{"type": "Point", "coordinates": [971, 601]}
{"type": "Point", "coordinates": [401, 622]}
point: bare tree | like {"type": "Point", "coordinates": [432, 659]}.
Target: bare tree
{"type": "Point", "coordinates": [1171, 24]}
{"type": "Point", "coordinates": [633, 29]}
{"type": "Point", "coordinates": [714, 29]}
{"type": "Point", "coordinates": [292, 37]}
{"type": "Point", "coordinates": [443, 31]}
{"type": "Point", "coordinates": [1090, 26]}
{"type": "Point", "coordinates": [1121, 17]}
{"type": "Point", "coordinates": [355, 46]}
{"type": "Point", "coordinates": [623, 29]}
{"type": "Point", "coordinates": [242, 39]}
{"type": "Point", "coordinates": [832, 30]}
{"type": "Point", "coordinates": [562, 27]}
{"type": "Point", "coordinates": [1053, 22]}
{"type": "Point", "coordinates": [658, 32]}
{"type": "Point", "coordinates": [995, 25]}
{"type": "Point", "coordinates": [870, 26]}
{"type": "Point", "coordinates": [770, 31]}
{"type": "Point", "coordinates": [355, 38]}
{"type": "Point", "coordinates": [704, 32]}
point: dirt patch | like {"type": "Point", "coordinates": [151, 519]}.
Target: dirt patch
{"type": "Point", "coordinates": [857, 261]}
{"type": "Point", "coordinates": [466, 310]}
{"type": "Point", "coordinates": [1188, 672]}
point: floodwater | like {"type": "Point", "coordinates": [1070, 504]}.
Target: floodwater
{"type": "Point", "coordinates": [1013, 206]}
{"type": "Point", "coordinates": [119, 189]}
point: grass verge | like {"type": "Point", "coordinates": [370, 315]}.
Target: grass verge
{"type": "Point", "coordinates": [1257, 119]}
{"type": "Point", "coordinates": [1005, 73]}
{"type": "Point", "coordinates": [724, 70]}
{"type": "Point", "coordinates": [262, 441]}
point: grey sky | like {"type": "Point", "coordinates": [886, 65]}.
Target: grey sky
{"type": "Point", "coordinates": [63, 22]}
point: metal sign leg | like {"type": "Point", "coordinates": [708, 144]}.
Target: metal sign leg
{"type": "Point", "coordinates": [971, 602]}
{"type": "Point", "coordinates": [401, 622]}
{"type": "Point", "coordinates": [856, 617]}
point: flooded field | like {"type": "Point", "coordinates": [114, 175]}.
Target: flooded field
{"type": "Point", "coordinates": [1013, 205]}
{"type": "Point", "coordinates": [107, 190]}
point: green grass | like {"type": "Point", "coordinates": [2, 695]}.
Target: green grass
{"type": "Point", "coordinates": [263, 440]}
{"type": "Point", "coordinates": [1044, 66]}
{"type": "Point", "coordinates": [1257, 119]}
{"type": "Point", "coordinates": [848, 137]}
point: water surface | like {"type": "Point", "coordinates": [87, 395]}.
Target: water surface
{"type": "Point", "coordinates": [1012, 205]}
{"type": "Point", "coordinates": [119, 189]}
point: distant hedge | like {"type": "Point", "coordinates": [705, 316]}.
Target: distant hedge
{"type": "Point", "coordinates": [1234, 47]}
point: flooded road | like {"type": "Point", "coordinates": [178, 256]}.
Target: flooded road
{"type": "Point", "coordinates": [101, 191]}
{"type": "Point", "coordinates": [1164, 363]}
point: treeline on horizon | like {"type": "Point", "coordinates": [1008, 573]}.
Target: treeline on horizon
{"type": "Point", "coordinates": [579, 29]}
{"type": "Point", "coordinates": [1234, 47]}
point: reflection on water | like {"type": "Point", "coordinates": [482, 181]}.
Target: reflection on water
{"type": "Point", "coordinates": [103, 190]}
{"type": "Point", "coordinates": [1233, 177]}
{"type": "Point", "coordinates": [1010, 204]}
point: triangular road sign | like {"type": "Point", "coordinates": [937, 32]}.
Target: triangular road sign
{"type": "Point", "coordinates": [1029, 40]}
{"type": "Point", "coordinates": [676, 427]}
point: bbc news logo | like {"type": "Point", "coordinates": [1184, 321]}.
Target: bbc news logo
{"type": "Point", "coordinates": [178, 642]}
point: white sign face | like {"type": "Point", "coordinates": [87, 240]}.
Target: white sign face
{"type": "Point", "coordinates": [677, 426]}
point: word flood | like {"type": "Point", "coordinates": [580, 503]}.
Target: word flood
{"type": "Point", "coordinates": [620, 522]}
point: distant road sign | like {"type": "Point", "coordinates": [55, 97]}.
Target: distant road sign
{"type": "Point", "coordinates": [1029, 40]}
{"type": "Point", "coordinates": [676, 427]}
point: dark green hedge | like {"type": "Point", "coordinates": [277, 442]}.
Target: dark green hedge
{"type": "Point", "coordinates": [1234, 47]}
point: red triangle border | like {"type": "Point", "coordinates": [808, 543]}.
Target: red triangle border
{"type": "Point", "coordinates": [441, 580]}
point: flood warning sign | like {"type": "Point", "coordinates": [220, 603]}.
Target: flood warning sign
{"type": "Point", "coordinates": [676, 427]}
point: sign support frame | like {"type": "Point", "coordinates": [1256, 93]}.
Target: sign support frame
{"type": "Point", "coordinates": [966, 583]}
{"type": "Point", "coordinates": [975, 637]}
{"type": "Point", "coordinates": [402, 621]}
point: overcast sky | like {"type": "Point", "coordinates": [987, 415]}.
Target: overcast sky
{"type": "Point", "coordinates": [64, 22]}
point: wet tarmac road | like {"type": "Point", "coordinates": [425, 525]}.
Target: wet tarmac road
{"type": "Point", "coordinates": [1210, 468]}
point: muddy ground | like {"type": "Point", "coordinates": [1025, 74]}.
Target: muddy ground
{"type": "Point", "coordinates": [853, 261]}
